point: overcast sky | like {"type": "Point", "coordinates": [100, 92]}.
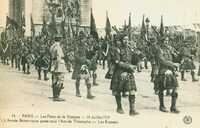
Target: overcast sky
{"type": "Point", "coordinates": [174, 11]}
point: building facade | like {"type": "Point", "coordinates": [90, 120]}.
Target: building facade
{"type": "Point", "coordinates": [38, 9]}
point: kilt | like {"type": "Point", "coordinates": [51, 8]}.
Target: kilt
{"type": "Point", "coordinates": [76, 71]}
{"type": "Point", "coordinates": [42, 63]}
{"type": "Point", "coordinates": [119, 85]}
{"type": "Point", "coordinates": [24, 60]}
{"type": "Point", "coordinates": [163, 82]}
{"type": "Point", "coordinates": [187, 64]}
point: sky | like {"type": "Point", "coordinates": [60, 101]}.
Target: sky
{"type": "Point", "coordinates": [175, 12]}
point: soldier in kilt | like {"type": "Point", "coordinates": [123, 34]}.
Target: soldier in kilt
{"type": "Point", "coordinates": [43, 60]}
{"type": "Point", "coordinates": [92, 55]}
{"type": "Point", "coordinates": [166, 78]}
{"type": "Point", "coordinates": [187, 62]}
{"type": "Point", "coordinates": [25, 51]}
{"type": "Point", "coordinates": [58, 68]}
{"type": "Point", "coordinates": [14, 49]}
{"type": "Point", "coordinates": [123, 79]}
{"type": "Point", "coordinates": [69, 54]}
{"type": "Point", "coordinates": [81, 63]}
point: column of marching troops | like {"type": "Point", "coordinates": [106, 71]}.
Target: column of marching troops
{"type": "Point", "coordinates": [123, 56]}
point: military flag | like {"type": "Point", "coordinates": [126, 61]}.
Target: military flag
{"type": "Point", "coordinates": [44, 27]}
{"type": "Point", "coordinates": [52, 26]}
{"type": "Point", "coordinates": [129, 26]}
{"type": "Point", "coordinates": [32, 27]}
{"type": "Point", "coordinates": [93, 29]}
{"type": "Point", "coordinates": [63, 31]}
{"type": "Point", "coordinates": [143, 29]}
{"type": "Point", "coordinates": [108, 27]}
{"type": "Point", "coordinates": [162, 29]}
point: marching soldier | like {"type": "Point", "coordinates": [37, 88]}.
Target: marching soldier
{"type": "Point", "coordinates": [187, 62]}
{"type": "Point", "coordinates": [69, 55]}
{"type": "Point", "coordinates": [25, 51]}
{"type": "Point", "coordinates": [153, 58]}
{"type": "Point", "coordinates": [166, 78]}
{"type": "Point", "coordinates": [58, 68]}
{"type": "Point", "coordinates": [92, 55]}
{"type": "Point", "coordinates": [14, 48]}
{"type": "Point", "coordinates": [123, 78]}
{"type": "Point", "coordinates": [81, 63]}
{"type": "Point", "coordinates": [42, 62]}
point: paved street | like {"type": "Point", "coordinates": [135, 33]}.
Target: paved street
{"type": "Point", "coordinates": [21, 93]}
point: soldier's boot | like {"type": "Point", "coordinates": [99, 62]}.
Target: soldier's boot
{"type": "Point", "coordinates": [119, 104]}
{"type": "Point", "coordinates": [45, 76]}
{"type": "Point", "coordinates": [183, 76]}
{"type": "Point", "coordinates": [162, 107]}
{"type": "Point", "coordinates": [168, 93]}
{"type": "Point", "coordinates": [94, 75]}
{"type": "Point", "coordinates": [24, 68]}
{"type": "Point", "coordinates": [28, 69]}
{"type": "Point", "coordinates": [58, 93]}
{"type": "Point", "coordinates": [39, 74]}
{"type": "Point", "coordinates": [132, 111]}
{"type": "Point", "coordinates": [54, 91]}
{"type": "Point", "coordinates": [104, 64]}
{"type": "Point", "coordinates": [139, 68]}
{"type": "Point", "coordinates": [173, 108]}
{"type": "Point", "coordinates": [56, 96]}
{"type": "Point", "coordinates": [12, 62]}
{"type": "Point", "coordinates": [199, 71]}
{"type": "Point", "coordinates": [78, 94]}
{"type": "Point", "coordinates": [7, 60]}
{"type": "Point", "coordinates": [146, 64]}
{"type": "Point", "coordinates": [193, 77]}
{"type": "Point", "coordinates": [89, 92]}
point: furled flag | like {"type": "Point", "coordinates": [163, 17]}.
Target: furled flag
{"type": "Point", "coordinates": [32, 27]}
{"type": "Point", "coordinates": [44, 27]}
{"type": "Point", "coordinates": [162, 31]}
{"type": "Point", "coordinates": [129, 26]}
{"type": "Point", "coordinates": [108, 27]}
{"type": "Point", "coordinates": [143, 29]}
{"type": "Point", "coordinates": [93, 29]}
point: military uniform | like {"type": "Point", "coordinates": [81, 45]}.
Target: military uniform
{"type": "Point", "coordinates": [58, 69]}
{"type": "Point", "coordinates": [24, 53]}
{"type": "Point", "coordinates": [166, 78]}
{"type": "Point", "coordinates": [187, 62]}
{"type": "Point", "coordinates": [152, 55]}
{"type": "Point", "coordinates": [92, 55]}
{"type": "Point", "coordinates": [14, 54]}
{"type": "Point", "coordinates": [43, 61]}
{"type": "Point", "coordinates": [81, 64]}
{"type": "Point", "coordinates": [123, 79]}
{"type": "Point", "coordinates": [69, 55]}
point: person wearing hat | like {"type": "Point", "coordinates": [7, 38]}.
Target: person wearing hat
{"type": "Point", "coordinates": [58, 68]}
{"type": "Point", "coordinates": [187, 61]}
{"type": "Point", "coordinates": [166, 78]}
{"type": "Point", "coordinates": [92, 55]}
{"type": "Point", "coordinates": [123, 75]}
{"type": "Point", "coordinates": [81, 63]}
{"type": "Point", "coordinates": [42, 61]}
{"type": "Point", "coordinates": [153, 48]}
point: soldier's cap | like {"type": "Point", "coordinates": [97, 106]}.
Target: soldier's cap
{"type": "Point", "coordinates": [81, 34]}
{"type": "Point", "coordinates": [58, 37]}
{"type": "Point", "coordinates": [152, 39]}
